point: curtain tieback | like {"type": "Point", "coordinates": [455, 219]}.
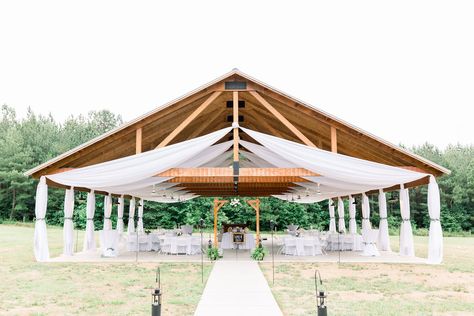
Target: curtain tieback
{"type": "Point", "coordinates": [40, 219]}
{"type": "Point", "coordinates": [405, 219]}
{"type": "Point", "coordinates": [434, 219]}
{"type": "Point", "coordinates": [70, 218]}
{"type": "Point", "coordinates": [383, 218]}
{"type": "Point", "coordinates": [119, 217]}
{"type": "Point", "coordinates": [90, 219]}
{"type": "Point", "coordinates": [331, 217]}
{"type": "Point", "coordinates": [365, 218]}
{"type": "Point", "coordinates": [106, 217]}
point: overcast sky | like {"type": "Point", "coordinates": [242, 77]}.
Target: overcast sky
{"type": "Point", "coordinates": [402, 70]}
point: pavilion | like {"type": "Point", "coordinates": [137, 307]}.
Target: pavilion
{"type": "Point", "coordinates": [237, 136]}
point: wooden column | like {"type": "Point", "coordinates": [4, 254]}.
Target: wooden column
{"type": "Point", "coordinates": [138, 141]}
{"type": "Point", "coordinates": [217, 205]}
{"type": "Point", "coordinates": [333, 139]}
{"type": "Point", "coordinates": [255, 204]}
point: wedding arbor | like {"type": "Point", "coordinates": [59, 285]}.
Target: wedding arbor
{"type": "Point", "coordinates": [237, 136]}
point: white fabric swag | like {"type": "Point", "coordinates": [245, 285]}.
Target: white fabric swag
{"type": "Point", "coordinates": [332, 220]}
{"type": "Point", "coordinates": [131, 216]}
{"type": "Point", "coordinates": [41, 235]}
{"type": "Point", "coordinates": [366, 225]}
{"type": "Point", "coordinates": [89, 240]}
{"type": "Point", "coordinates": [140, 217]}
{"type": "Point", "coordinates": [406, 234]}
{"type": "Point", "coordinates": [352, 215]}
{"type": "Point", "coordinates": [120, 215]}
{"type": "Point", "coordinates": [107, 212]}
{"type": "Point", "coordinates": [435, 246]}
{"type": "Point", "coordinates": [68, 227]}
{"type": "Point", "coordinates": [383, 238]}
{"type": "Point", "coordinates": [340, 213]}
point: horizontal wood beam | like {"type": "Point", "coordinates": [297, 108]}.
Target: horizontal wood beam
{"type": "Point", "coordinates": [244, 172]}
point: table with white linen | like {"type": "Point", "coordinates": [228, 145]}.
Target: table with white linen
{"type": "Point", "coordinates": [344, 242]}
{"type": "Point", "coordinates": [227, 242]}
{"type": "Point", "coordinates": [189, 245]}
{"type": "Point", "coordinates": [302, 246]}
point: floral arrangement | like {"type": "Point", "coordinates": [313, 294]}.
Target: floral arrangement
{"type": "Point", "coordinates": [235, 202]}
{"type": "Point", "coordinates": [259, 253]}
{"type": "Point", "coordinates": [213, 253]}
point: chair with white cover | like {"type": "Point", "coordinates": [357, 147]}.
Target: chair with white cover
{"type": "Point", "coordinates": [187, 229]}
{"type": "Point", "coordinates": [155, 241]}
{"type": "Point", "coordinates": [369, 237]}
{"type": "Point", "coordinates": [182, 245]}
{"type": "Point", "coordinates": [196, 246]}
{"type": "Point", "coordinates": [309, 247]}
{"type": "Point", "coordinates": [318, 249]}
{"type": "Point", "coordinates": [165, 245]}
{"type": "Point", "coordinates": [109, 243]}
{"type": "Point", "coordinates": [144, 243]}
{"type": "Point", "coordinates": [132, 242]}
{"type": "Point", "coordinates": [290, 246]}
{"type": "Point", "coordinates": [292, 229]}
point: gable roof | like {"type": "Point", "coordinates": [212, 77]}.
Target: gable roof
{"type": "Point", "coordinates": [314, 123]}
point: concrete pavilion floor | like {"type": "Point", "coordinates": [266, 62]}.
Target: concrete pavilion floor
{"type": "Point", "coordinates": [242, 255]}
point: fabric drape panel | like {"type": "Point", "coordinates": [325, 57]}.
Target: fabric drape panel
{"type": "Point", "coordinates": [383, 239]}
{"type": "Point", "coordinates": [406, 234]}
{"type": "Point", "coordinates": [89, 240]}
{"type": "Point", "coordinates": [340, 213]}
{"type": "Point", "coordinates": [332, 220]}
{"type": "Point", "coordinates": [68, 227]}
{"type": "Point", "coordinates": [131, 216]}
{"type": "Point", "coordinates": [120, 215]}
{"type": "Point", "coordinates": [365, 213]}
{"type": "Point", "coordinates": [140, 217]}
{"type": "Point", "coordinates": [435, 246]}
{"type": "Point", "coordinates": [41, 249]}
{"type": "Point", "coordinates": [352, 214]}
{"type": "Point", "coordinates": [107, 212]}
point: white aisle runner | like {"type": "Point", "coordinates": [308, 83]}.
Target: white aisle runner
{"type": "Point", "coordinates": [237, 288]}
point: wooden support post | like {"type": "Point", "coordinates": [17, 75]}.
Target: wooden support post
{"type": "Point", "coordinates": [255, 204]}
{"type": "Point", "coordinates": [138, 141]}
{"type": "Point", "coordinates": [281, 118]}
{"type": "Point", "coordinates": [333, 139]}
{"type": "Point", "coordinates": [217, 205]}
{"type": "Point", "coordinates": [189, 119]}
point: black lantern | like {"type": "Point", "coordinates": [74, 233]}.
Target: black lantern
{"type": "Point", "coordinates": [320, 295]}
{"type": "Point", "coordinates": [156, 296]}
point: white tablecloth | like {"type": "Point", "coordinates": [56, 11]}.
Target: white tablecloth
{"type": "Point", "coordinates": [302, 246]}
{"type": "Point", "coordinates": [227, 242]}
{"type": "Point", "coordinates": [189, 245]}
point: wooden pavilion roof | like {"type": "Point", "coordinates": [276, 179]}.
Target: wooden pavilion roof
{"type": "Point", "coordinates": [261, 108]}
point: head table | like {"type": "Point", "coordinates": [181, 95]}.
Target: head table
{"type": "Point", "coordinates": [227, 242]}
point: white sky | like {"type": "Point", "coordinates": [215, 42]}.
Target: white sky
{"type": "Point", "coordinates": [402, 70]}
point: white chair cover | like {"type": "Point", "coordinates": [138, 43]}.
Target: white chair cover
{"type": "Point", "coordinates": [89, 240]}
{"type": "Point", "coordinates": [340, 213]}
{"type": "Point", "coordinates": [332, 220]}
{"type": "Point", "coordinates": [140, 217]}
{"type": "Point", "coordinates": [383, 239]}
{"type": "Point", "coordinates": [407, 247]}
{"type": "Point", "coordinates": [107, 212]}
{"type": "Point", "coordinates": [41, 236]}
{"type": "Point", "coordinates": [365, 212]}
{"type": "Point", "coordinates": [131, 216]}
{"type": "Point", "coordinates": [120, 215]}
{"type": "Point", "coordinates": [68, 227]}
{"type": "Point", "coordinates": [435, 247]}
{"type": "Point", "coordinates": [352, 214]}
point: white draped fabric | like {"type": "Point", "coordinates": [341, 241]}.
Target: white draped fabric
{"type": "Point", "coordinates": [435, 248]}
{"type": "Point", "coordinates": [131, 216]}
{"type": "Point", "coordinates": [383, 238]}
{"type": "Point", "coordinates": [107, 212]}
{"type": "Point", "coordinates": [140, 217]}
{"type": "Point", "coordinates": [407, 247]}
{"type": "Point", "coordinates": [41, 236]}
{"type": "Point", "coordinates": [332, 220]}
{"type": "Point", "coordinates": [340, 213]}
{"type": "Point", "coordinates": [68, 227]}
{"type": "Point", "coordinates": [89, 239]}
{"type": "Point", "coordinates": [365, 213]}
{"type": "Point", "coordinates": [352, 215]}
{"type": "Point", "coordinates": [120, 215]}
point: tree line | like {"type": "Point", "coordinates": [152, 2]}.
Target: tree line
{"type": "Point", "coordinates": [34, 139]}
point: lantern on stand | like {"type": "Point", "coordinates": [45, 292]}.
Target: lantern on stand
{"type": "Point", "coordinates": [156, 296]}
{"type": "Point", "coordinates": [320, 295]}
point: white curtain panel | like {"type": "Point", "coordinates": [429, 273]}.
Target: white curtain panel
{"type": "Point", "coordinates": [140, 217]}
{"type": "Point", "coordinates": [41, 236]}
{"type": "Point", "coordinates": [107, 212]}
{"type": "Point", "coordinates": [138, 167]}
{"type": "Point", "coordinates": [352, 214]}
{"type": "Point", "coordinates": [120, 215]}
{"type": "Point", "coordinates": [131, 216]}
{"type": "Point", "coordinates": [435, 248]}
{"type": "Point", "coordinates": [383, 238]}
{"type": "Point", "coordinates": [68, 227]}
{"type": "Point", "coordinates": [365, 213]}
{"type": "Point", "coordinates": [89, 240]}
{"type": "Point", "coordinates": [406, 234]}
{"type": "Point", "coordinates": [340, 213]}
{"type": "Point", "coordinates": [332, 220]}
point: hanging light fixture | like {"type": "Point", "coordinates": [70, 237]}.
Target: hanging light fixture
{"type": "Point", "coordinates": [153, 192]}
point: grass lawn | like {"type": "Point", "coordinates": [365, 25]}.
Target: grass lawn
{"type": "Point", "coordinates": [30, 288]}
{"type": "Point", "coordinates": [382, 289]}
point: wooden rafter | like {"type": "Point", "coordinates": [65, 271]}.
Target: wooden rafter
{"type": "Point", "coordinates": [138, 141]}
{"type": "Point", "coordinates": [189, 119]}
{"type": "Point", "coordinates": [244, 172]}
{"type": "Point", "coordinates": [333, 139]}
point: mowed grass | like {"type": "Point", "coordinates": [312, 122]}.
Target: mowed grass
{"type": "Point", "coordinates": [382, 289]}
{"type": "Point", "coordinates": [31, 288]}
